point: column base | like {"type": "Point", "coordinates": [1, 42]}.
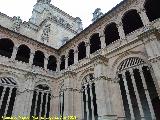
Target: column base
{"type": "Point", "coordinates": [108, 117]}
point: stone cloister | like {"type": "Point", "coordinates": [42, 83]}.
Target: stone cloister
{"type": "Point", "coordinates": [108, 71]}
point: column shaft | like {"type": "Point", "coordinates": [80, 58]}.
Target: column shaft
{"type": "Point", "coordinates": [87, 110]}
{"type": "Point", "coordinates": [14, 53]}
{"type": "Point", "coordinates": [103, 43]}
{"type": "Point", "coordinates": [92, 107]}
{"type": "Point", "coordinates": [87, 50]}
{"type": "Point", "coordinates": [8, 100]}
{"type": "Point", "coordinates": [2, 96]}
{"type": "Point", "coordinates": [146, 92]}
{"type": "Point", "coordinates": [41, 105]}
{"type": "Point", "coordinates": [137, 95]}
{"type": "Point", "coordinates": [31, 58]}
{"type": "Point", "coordinates": [121, 31]}
{"type": "Point", "coordinates": [36, 102]}
{"type": "Point", "coordinates": [128, 96]}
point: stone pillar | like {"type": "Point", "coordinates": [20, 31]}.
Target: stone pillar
{"type": "Point", "coordinates": [14, 53]}
{"type": "Point", "coordinates": [66, 61]}
{"type": "Point", "coordinates": [70, 95]}
{"type": "Point", "coordinates": [102, 39]}
{"type": "Point", "coordinates": [58, 63]}
{"type": "Point", "coordinates": [8, 101]}
{"type": "Point", "coordinates": [152, 47]}
{"type": "Point", "coordinates": [102, 89]}
{"type": "Point", "coordinates": [121, 30]}
{"type": "Point", "coordinates": [144, 17]}
{"type": "Point", "coordinates": [128, 96]}
{"type": "Point", "coordinates": [87, 49]}
{"type": "Point", "coordinates": [31, 58]}
{"type": "Point", "coordinates": [137, 94]}
{"type": "Point", "coordinates": [46, 62]}
{"type": "Point", "coordinates": [146, 92]}
{"type": "Point", "coordinates": [24, 97]}
{"type": "Point", "coordinates": [75, 55]}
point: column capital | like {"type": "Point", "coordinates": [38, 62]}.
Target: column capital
{"type": "Point", "coordinates": [87, 44]}
{"type": "Point", "coordinates": [119, 24]}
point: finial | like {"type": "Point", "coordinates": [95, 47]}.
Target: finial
{"type": "Point", "coordinates": [97, 14]}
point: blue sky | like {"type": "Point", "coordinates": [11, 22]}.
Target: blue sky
{"type": "Point", "coordinates": [76, 8]}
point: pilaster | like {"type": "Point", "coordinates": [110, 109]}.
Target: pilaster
{"type": "Point", "coordinates": [152, 47]}
{"type": "Point", "coordinates": [102, 89]}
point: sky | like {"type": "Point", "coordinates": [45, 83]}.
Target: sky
{"type": "Point", "coordinates": [76, 8]}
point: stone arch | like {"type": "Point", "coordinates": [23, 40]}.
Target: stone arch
{"type": "Point", "coordinates": [111, 33]}
{"type": "Point", "coordinates": [23, 53]}
{"type": "Point", "coordinates": [52, 63]}
{"type": "Point", "coordinates": [95, 43]}
{"type": "Point", "coordinates": [126, 55]}
{"type": "Point", "coordinates": [8, 90]}
{"type": "Point", "coordinates": [89, 97]}
{"type": "Point", "coordinates": [152, 9]}
{"type": "Point", "coordinates": [41, 101]}
{"type": "Point", "coordinates": [81, 50]}
{"type": "Point", "coordinates": [131, 21]}
{"type": "Point", "coordinates": [38, 59]}
{"type": "Point", "coordinates": [71, 57]}
{"type": "Point", "coordinates": [135, 77]}
{"type": "Point", "coordinates": [6, 47]}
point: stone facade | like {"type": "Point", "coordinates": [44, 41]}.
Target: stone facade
{"type": "Point", "coordinates": [109, 71]}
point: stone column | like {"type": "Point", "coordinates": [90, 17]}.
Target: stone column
{"type": "Point", "coordinates": [14, 53]}
{"type": "Point", "coordinates": [87, 109]}
{"type": "Point", "coordinates": [146, 92]}
{"type": "Point", "coordinates": [102, 89]}
{"type": "Point", "coordinates": [45, 62]}
{"type": "Point", "coordinates": [58, 64]}
{"type": "Point", "coordinates": [87, 49]}
{"type": "Point", "coordinates": [144, 17]}
{"type": "Point", "coordinates": [91, 95]}
{"type": "Point", "coordinates": [102, 39]}
{"type": "Point", "coordinates": [128, 96]}
{"type": "Point", "coordinates": [66, 61]}
{"type": "Point", "coordinates": [137, 94]}
{"type": "Point", "coordinates": [2, 96]}
{"type": "Point", "coordinates": [24, 97]}
{"type": "Point", "coordinates": [70, 94]}
{"type": "Point", "coordinates": [31, 58]}
{"type": "Point", "coordinates": [121, 30]}
{"type": "Point", "coordinates": [76, 55]}
{"type": "Point", "coordinates": [8, 100]}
